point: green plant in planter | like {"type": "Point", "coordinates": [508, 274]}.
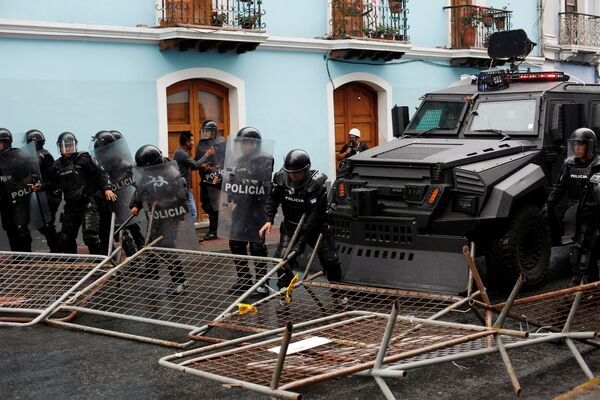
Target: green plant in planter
{"type": "Point", "coordinates": [471, 16]}
{"type": "Point", "coordinates": [247, 21]}
{"type": "Point", "coordinates": [218, 19]}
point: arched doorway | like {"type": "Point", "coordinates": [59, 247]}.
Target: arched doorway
{"type": "Point", "coordinates": [189, 104]}
{"type": "Point", "coordinates": [355, 106]}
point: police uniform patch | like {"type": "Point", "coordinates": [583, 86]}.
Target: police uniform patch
{"type": "Point", "coordinates": [313, 200]}
{"type": "Point", "coordinates": [595, 178]}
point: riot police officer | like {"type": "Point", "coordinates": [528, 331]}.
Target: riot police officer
{"type": "Point", "coordinates": [118, 162]}
{"type": "Point", "coordinates": [85, 185]}
{"type": "Point", "coordinates": [17, 181]}
{"type": "Point", "coordinates": [211, 153]}
{"type": "Point", "coordinates": [252, 170]}
{"type": "Point", "coordinates": [46, 160]}
{"type": "Point", "coordinates": [300, 190]}
{"type": "Point", "coordinates": [582, 162]}
{"type": "Point", "coordinates": [170, 199]}
{"type": "Point", "coordinates": [585, 252]}
{"type": "Point", "coordinates": [133, 238]}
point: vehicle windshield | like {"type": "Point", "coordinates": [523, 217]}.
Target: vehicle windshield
{"type": "Point", "coordinates": [437, 115]}
{"type": "Point", "coordinates": [507, 116]}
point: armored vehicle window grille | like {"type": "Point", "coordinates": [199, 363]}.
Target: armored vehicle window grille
{"type": "Point", "coordinates": [468, 181]}
{"type": "Point", "coordinates": [341, 228]}
{"type": "Point", "coordinates": [413, 152]}
{"type": "Point", "coordinates": [414, 193]}
{"type": "Point", "coordinates": [387, 233]}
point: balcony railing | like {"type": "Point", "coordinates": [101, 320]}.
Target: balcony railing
{"type": "Point", "coordinates": [369, 19]}
{"type": "Point", "coordinates": [233, 14]}
{"type": "Point", "coordinates": [471, 26]}
{"type": "Point", "coordinates": [579, 29]}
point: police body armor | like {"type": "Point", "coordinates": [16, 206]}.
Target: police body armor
{"type": "Point", "coordinates": [578, 176]}
{"type": "Point", "coordinates": [294, 201]}
{"type": "Point", "coordinates": [73, 180]}
{"type": "Point", "coordinates": [245, 189]}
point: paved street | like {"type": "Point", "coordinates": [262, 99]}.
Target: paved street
{"type": "Point", "coordinates": [49, 362]}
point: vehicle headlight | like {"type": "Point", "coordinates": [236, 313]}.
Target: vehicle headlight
{"type": "Point", "coordinates": [465, 203]}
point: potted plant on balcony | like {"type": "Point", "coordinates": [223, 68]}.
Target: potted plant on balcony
{"type": "Point", "coordinates": [395, 6]}
{"type": "Point", "coordinates": [247, 21]}
{"type": "Point", "coordinates": [470, 19]}
{"type": "Point", "coordinates": [500, 22]}
{"type": "Point", "coordinates": [218, 19]}
{"type": "Point", "coordinates": [487, 18]}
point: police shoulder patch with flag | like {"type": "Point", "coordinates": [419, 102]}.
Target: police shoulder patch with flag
{"type": "Point", "coordinates": [595, 178]}
{"type": "Point", "coordinates": [313, 200]}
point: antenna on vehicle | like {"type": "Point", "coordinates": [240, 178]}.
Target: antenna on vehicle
{"type": "Point", "coordinates": [510, 46]}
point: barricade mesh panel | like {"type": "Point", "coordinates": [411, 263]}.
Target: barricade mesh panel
{"type": "Point", "coordinates": [551, 309]}
{"type": "Point", "coordinates": [315, 299]}
{"type": "Point", "coordinates": [147, 286]}
{"type": "Point", "coordinates": [32, 282]}
{"type": "Point", "coordinates": [352, 344]}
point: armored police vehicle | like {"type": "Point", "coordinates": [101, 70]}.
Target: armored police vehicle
{"type": "Point", "coordinates": [474, 165]}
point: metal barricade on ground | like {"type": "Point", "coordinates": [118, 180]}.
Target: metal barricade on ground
{"type": "Point", "coordinates": [144, 289]}
{"type": "Point", "coordinates": [33, 285]}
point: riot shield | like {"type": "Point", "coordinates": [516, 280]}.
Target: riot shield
{"type": "Point", "coordinates": [211, 171]}
{"type": "Point", "coordinates": [19, 169]}
{"type": "Point", "coordinates": [117, 160]}
{"type": "Point", "coordinates": [246, 186]}
{"type": "Point", "coordinates": [163, 193]}
{"type": "Point", "coordinates": [40, 209]}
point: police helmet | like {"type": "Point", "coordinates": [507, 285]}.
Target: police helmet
{"type": "Point", "coordinates": [583, 136]}
{"type": "Point", "coordinates": [148, 155]}
{"type": "Point", "coordinates": [36, 136]}
{"type": "Point", "coordinates": [67, 143]}
{"type": "Point", "coordinates": [249, 140]}
{"type": "Point", "coordinates": [209, 129]}
{"type": "Point", "coordinates": [6, 138]}
{"type": "Point", "coordinates": [296, 161]}
{"type": "Point", "coordinates": [248, 133]}
{"type": "Point", "coordinates": [117, 135]}
{"type": "Point", "coordinates": [103, 138]}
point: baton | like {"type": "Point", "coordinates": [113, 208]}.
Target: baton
{"type": "Point", "coordinates": [120, 228]}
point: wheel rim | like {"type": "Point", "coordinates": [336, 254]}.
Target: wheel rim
{"type": "Point", "coordinates": [531, 249]}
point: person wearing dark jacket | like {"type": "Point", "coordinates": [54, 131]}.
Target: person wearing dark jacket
{"type": "Point", "coordinates": [84, 185]}
{"type": "Point", "coordinates": [581, 164]}
{"type": "Point", "coordinates": [54, 197]}
{"type": "Point", "coordinates": [187, 164]}
{"type": "Point", "coordinates": [17, 181]}
{"type": "Point", "coordinates": [301, 191]}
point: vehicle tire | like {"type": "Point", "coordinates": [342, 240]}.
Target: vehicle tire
{"type": "Point", "coordinates": [524, 246]}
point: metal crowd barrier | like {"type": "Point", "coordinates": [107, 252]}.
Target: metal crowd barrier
{"type": "Point", "coordinates": [33, 285]}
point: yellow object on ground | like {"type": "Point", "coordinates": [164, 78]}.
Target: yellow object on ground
{"type": "Point", "coordinates": [588, 390]}
{"type": "Point", "coordinates": [247, 308]}
{"type": "Point", "coordinates": [290, 288]}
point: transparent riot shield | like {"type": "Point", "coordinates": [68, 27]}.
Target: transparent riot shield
{"type": "Point", "coordinates": [117, 160]}
{"type": "Point", "coordinates": [20, 208]}
{"type": "Point", "coordinates": [163, 193]}
{"type": "Point", "coordinates": [38, 201]}
{"type": "Point", "coordinates": [211, 171]}
{"type": "Point", "coordinates": [246, 186]}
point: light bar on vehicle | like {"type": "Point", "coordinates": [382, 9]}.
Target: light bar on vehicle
{"type": "Point", "coordinates": [492, 80]}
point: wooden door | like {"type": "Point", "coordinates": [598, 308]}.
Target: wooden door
{"type": "Point", "coordinates": [355, 106]}
{"type": "Point", "coordinates": [194, 12]}
{"type": "Point", "coordinates": [456, 24]}
{"type": "Point", "coordinates": [347, 18]}
{"type": "Point", "coordinates": [189, 104]}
